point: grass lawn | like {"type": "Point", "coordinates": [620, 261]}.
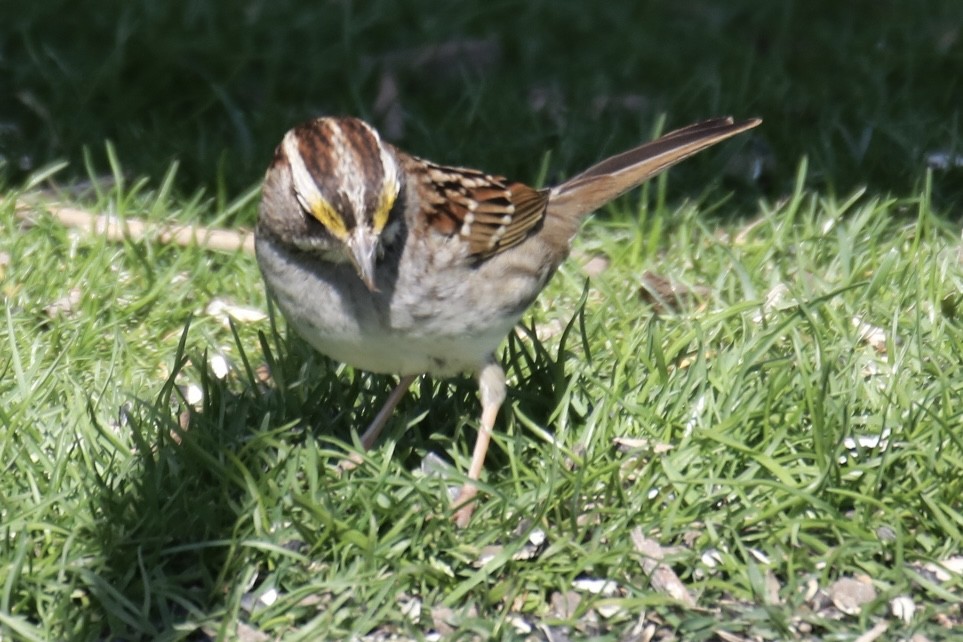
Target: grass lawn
{"type": "Point", "coordinates": [734, 414]}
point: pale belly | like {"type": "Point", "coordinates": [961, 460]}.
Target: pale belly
{"type": "Point", "coordinates": [418, 321]}
{"type": "Point", "coordinates": [404, 354]}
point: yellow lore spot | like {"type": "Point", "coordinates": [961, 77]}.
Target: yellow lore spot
{"type": "Point", "coordinates": [389, 192]}
{"type": "Point", "coordinates": [329, 218]}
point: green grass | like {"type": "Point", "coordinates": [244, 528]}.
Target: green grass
{"type": "Point", "coordinates": [127, 512]}
{"type": "Point", "coordinates": [801, 406]}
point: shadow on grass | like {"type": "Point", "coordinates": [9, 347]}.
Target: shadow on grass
{"type": "Point", "coordinates": [179, 523]}
{"type": "Point", "coordinates": [168, 516]}
{"type": "Point", "coordinates": [218, 494]}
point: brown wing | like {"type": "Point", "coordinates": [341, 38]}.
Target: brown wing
{"type": "Point", "coordinates": [493, 214]}
{"type": "Point", "coordinates": [490, 213]}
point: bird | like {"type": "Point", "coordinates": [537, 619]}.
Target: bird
{"type": "Point", "coordinates": [393, 264]}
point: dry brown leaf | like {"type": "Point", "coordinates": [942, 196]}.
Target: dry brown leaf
{"type": "Point", "coordinates": [443, 620]}
{"type": "Point", "coordinates": [66, 305]}
{"type": "Point", "coordinates": [849, 594]}
{"type": "Point", "coordinates": [667, 295]}
{"type": "Point", "coordinates": [772, 588]}
{"type": "Point", "coordinates": [776, 299]}
{"type": "Point", "coordinates": [543, 331]}
{"type": "Point", "coordinates": [661, 576]}
{"type": "Point", "coordinates": [870, 334]}
{"type": "Point", "coordinates": [226, 311]}
{"type": "Point", "coordinates": [564, 605]}
{"type": "Point", "coordinates": [628, 444]}
{"type": "Point", "coordinates": [595, 265]}
{"type": "Point", "coordinates": [946, 621]}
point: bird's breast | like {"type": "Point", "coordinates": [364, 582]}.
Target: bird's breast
{"type": "Point", "coordinates": [423, 318]}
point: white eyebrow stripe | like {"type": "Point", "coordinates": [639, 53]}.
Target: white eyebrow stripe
{"type": "Point", "coordinates": [389, 168]}
{"type": "Point", "coordinates": [304, 186]}
{"type": "Point", "coordinates": [356, 180]}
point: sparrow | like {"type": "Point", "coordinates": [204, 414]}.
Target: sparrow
{"type": "Point", "coordinates": [394, 264]}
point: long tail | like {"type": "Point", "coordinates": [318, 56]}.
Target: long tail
{"type": "Point", "coordinates": [599, 184]}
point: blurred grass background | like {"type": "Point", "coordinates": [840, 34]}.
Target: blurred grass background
{"type": "Point", "coordinates": [865, 89]}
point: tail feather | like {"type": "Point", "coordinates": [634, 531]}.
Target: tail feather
{"type": "Point", "coordinates": [609, 179]}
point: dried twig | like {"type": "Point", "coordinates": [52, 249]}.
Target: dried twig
{"type": "Point", "coordinates": [114, 228]}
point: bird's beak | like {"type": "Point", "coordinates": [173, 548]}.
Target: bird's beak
{"type": "Point", "coordinates": [363, 251]}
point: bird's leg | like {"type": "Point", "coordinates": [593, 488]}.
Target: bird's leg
{"type": "Point", "coordinates": [491, 388]}
{"type": "Point", "coordinates": [377, 424]}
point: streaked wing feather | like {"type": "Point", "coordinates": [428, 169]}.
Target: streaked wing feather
{"type": "Point", "coordinates": [490, 213]}
{"type": "Point", "coordinates": [503, 222]}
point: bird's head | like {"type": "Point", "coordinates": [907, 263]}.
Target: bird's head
{"type": "Point", "coordinates": [331, 189]}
